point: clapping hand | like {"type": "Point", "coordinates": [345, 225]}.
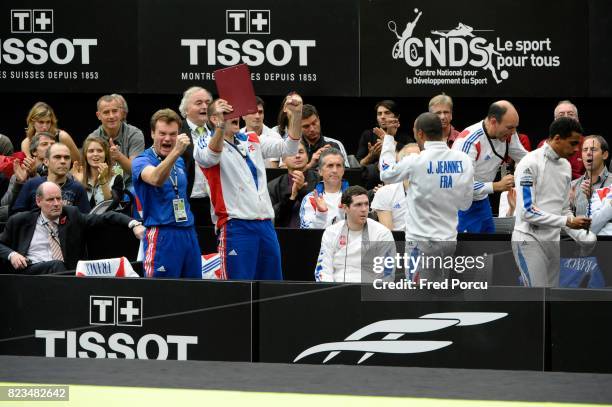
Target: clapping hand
{"type": "Point", "coordinates": [319, 202]}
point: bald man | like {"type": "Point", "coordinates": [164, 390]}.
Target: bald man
{"type": "Point", "coordinates": [489, 143]}
{"type": "Point", "coordinates": [52, 237]}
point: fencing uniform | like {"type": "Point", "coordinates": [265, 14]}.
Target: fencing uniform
{"type": "Point", "coordinates": [441, 182]}
{"type": "Point", "coordinates": [243, 212]}
{"type": "Point", "coordinates": [487, 154]}
{"type": "Point", "coordinates": [542, 209]}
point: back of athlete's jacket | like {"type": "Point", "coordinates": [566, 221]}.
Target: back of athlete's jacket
{"type": "Point", "coordinates": [474, 142]}
{"type": "Point", "coordinates": [542, 194]}
{"type": "Point", "coordinates": [237, 175]}
{"type": "Point", "coordinates": [441, 182]}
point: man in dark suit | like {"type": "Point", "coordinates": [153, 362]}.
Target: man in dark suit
{"type": "Point", "coordinates": [193, 108]}
{"type": "Point", "coordinates": [51, 239]}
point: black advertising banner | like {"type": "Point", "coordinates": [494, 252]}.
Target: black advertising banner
{"type": "Point", "coordinates": [125, 318]}
{"type": "Point", "coordinates": [580, 330]}
{"type": "Point", "coordinates": [310, 47]}
{"type": "Point", "coordinates": [517, 48]}
{"type": "Point", "coordinates": [68, 46]}
{"type": "Point", "coordinates": [323, 323]}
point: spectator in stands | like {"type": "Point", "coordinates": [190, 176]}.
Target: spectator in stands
{"type": "Point", "coordinates": [171, 245]}
{"type": "Point", "coordinates": [38, 151]}
{"type": "Point", "coordinates": [33, 165]}
{"type": "Point", "coordinates": [41, 118]}
{"type": "Point", "coordinates": [193, 108]}
{"type": "Point", "coordinates": [590, 190]}
{"type": "Point", "coordinates": [126, 141]}
{"type": "Point", "coordinates": [57, 159]}
{"type": "Point", "coordinates": [288, 190]}
{"type": "Point", "coordinates": [234, 167]}
{"type": "Point", "coordinates": [52, 238]}
{"type": "Point", "coordinates": [313, 140]}
{"type": "Point", "coordinates": [390, 200]}
{"type": "Point", "coordinates": [441, 182]}
{"type": "Point", "coordinates": [22, 170]}
{"type": "Point", "coordinates": [95, 173]}
{"type": "Point", "coordinates": [255, 122]}
{"type": "Point", "coordinates": [124, 105]}
{"type": "Point", "coordinates": [321, 207]}
{"type": "Point", "coordinates": [565, 108]}
{"type": "Point", "coordinates": [488, 143]}
{"type": "Point", "coordinates": [282, 120]}
{"type": "Point", "coordinates": [6, 146]}
{"type": "Point", "coordinates": [368, 151]}
{"type": "Point", "coordinates": [442, 106]}
{"type": "Point", "coordinates": [341, 257]}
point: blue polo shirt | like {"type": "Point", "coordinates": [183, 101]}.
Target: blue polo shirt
{"type": "Point", "coordinates": [157, 207]}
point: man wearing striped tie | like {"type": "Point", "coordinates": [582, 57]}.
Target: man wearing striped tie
{"type": "Point", "coordinates": [51, 239]}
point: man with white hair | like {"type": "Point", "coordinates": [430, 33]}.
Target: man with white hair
{"type": "Point", "coordinates": [193, 108]}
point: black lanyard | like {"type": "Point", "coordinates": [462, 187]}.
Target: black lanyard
{"type": "Point", "coordinates": [245, 155]}
{"type": "Point", "coordinates": [505, 157]}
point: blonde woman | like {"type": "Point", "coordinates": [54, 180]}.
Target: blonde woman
{"type": "Point", "coordinates": [41, 118]}
{"type": "Point", "coordinates": [95, 172]}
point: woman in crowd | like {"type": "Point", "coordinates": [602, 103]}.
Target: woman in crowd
{"type": "Point", "coordinates": [41, 118]}
{"type": "Point", "coordinates": [95, 173]}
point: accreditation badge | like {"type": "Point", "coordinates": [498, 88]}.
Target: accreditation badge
{"type": "Point", "coordinates": [180, 214]}
{"type": "Point", "coordinates": [503, 169]}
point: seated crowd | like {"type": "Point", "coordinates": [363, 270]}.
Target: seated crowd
{"type": "Point", "coordinates": [53, 190]}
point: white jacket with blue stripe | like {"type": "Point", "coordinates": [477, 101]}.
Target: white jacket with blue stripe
{"type": "Point", "coordinates": [473, 142]}
{"type": "Point", "coordinates": [440, 184]}
{"type": "Point", "coordinates": [542, 194]}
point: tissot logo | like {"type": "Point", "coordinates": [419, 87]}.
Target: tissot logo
{"type": "Point", "coordinates": [32, 21]}
{"type": "Point", "coordinates": [251, 51]}
{"type": "Point", "coordinates": [395, 329]}
{"type": "Point", "coordinates": [38, 51]}
{"type": "Point", "coordinates": [247, 22]}
{"type": "Point", "coordinates": [120, 311]}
